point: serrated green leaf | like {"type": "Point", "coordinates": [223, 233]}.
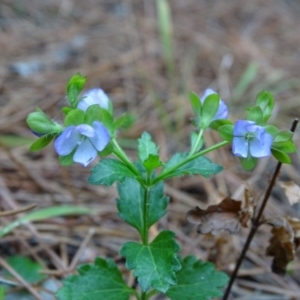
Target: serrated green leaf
{"type": "Point", "coordinates": [201, 165]}
{"type": "Point", "coordinates": [75, 117]}
{"type": "Point", "coordinates": [209, 109]}
{"type": "Point", "coordinates": [287, 147]}
{"type": "Point", "coordinates": [101, 280]}
{"type": "Point", "coordinates": [109, 170]}
{"type": "Point", "coordinates": [281, 156]}
{"type": "Point", "coordinates": [39, 122]}
{"type": "Point", "coordinates": [283, 136]}
{"type": "Point", "coordinates": [27, 268]}
{"type": "Point", "coordinates": [46, 213]}
{"type": "Point", "coordinates": [226, 132]}
{"type": "Point", "coordinates": [154, 264]}
{"type": "Point", "coordinates": [131, 204]}
{"type": "Point", "coordinates": [272, 130]}
{"type": "Point", "coordinates": [197, 280]}
{"type": "Point", "coordinates": [152, 162]}
{"type": "Point", "coordinates": [42, 142]}
{"type": "Point", "coordinates": [74, 87]}
{"type": "Point", "coordinates": [218, 123]}
{"type": "Point", "coordinates": [146, 147]}
{"type": "Point", "coordinates": [255, 114]}
{"type": "Point", "coordinates": [248, 163]}
{"type": "Point", "coordinates": [196, 104]}
{"type": "Point", "coordinates": [93, 113]}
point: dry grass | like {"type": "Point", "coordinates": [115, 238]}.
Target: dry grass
{"type": "Point", "coordinates": [235, 47]}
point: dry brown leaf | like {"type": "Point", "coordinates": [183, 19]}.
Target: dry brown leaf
{"type": "Point", "coordinates": [249, 208]}
{"type": "Point", "coordinates": [228, 215]}
{"type": "Point", "coordinates": [223, 216]}
{"type": "Point", "coordinates": [284, 242]}
{"type": "Point", "coordinates": [291, 190]}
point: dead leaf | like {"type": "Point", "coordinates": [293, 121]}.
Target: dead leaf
{"type": "Point", "coordinates": [284, 242]}
{"type": "Point", "coordinates": [228, 215]}
{"type": "Point", "coordinates": [291, 190]}
{"type": "Point", "coordinates": [249, 208]}
{"type": "Point", "coordinates": [223, 216]}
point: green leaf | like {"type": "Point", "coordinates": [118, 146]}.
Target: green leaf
{"type": "Point", "coordinates": [107, 120]}
{"type": "Point", "coordinates": [66, 110]}
{"type": "Point", "coordinates": [93, 113]}
{"type": "Point", "coordinates": [200, 165]}
{"type": "Point", "coordinates": [131, 204]}
{"type": "Point", "coordinates": [27, 268]}
{"type": "Point", "coordinates": [255, 114]}
{"type": "Point", "coordinates": [226, 132]}
{"type": "Point", "coordinates": [155, 264]}
{"type": "Point", "coordinates": [146, 147]}
{"type": "Point", "coordinates": [209, 109]}
{"type": "Point", "coordinates": [194, 138]}
{"type": "Point", "coordinates": [66, 160]}
{"type": "Point", "coordinates": [74, 88]}
{"type": "Point", "coordinates": [248, 163]}
{"type": "Point", "coordinates": [218, 123]}
{"type": "Point", "coordinates": [272, 130]}
{"type": "Point", "coordinates": [42, 142]}
{"type": "Point", "coordinates": [101, 280]}
{"type": "Point", "coordinates": [109, 170]}
{"type": "Point", "coordinates": [281, 156]}
{"type": "Point", "coordinates": [196, 104]}
{"type": "Point", "coordinates": [75, 117]}
{"type": "Point", "coordinates": [41, 123]}
{"type": "Point", "coordinates": [2, 292]}
{"type": "Point", "coordinates": [287, 147]}
{"type": "Point", "coordinates": [283, 136]}
{"type": "Point", "coordinates": [125, 121]}
{"type": "Point", "coordinates": [152, 162]}
{"type": "Point", "coordinates": [107, 150]}
{"type": "Point", "coordinates": [46, 213]}
{"type": "Point", "coordinates": [265, 101]}
{"type": "Point", "coordinates": [197, 280]}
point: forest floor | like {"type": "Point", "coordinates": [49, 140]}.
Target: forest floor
{"type": "Point", "coordinates": [237, 48]}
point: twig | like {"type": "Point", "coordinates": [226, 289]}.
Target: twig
{"type": "Point", "coordinates": [255, 223]}
{"type": "Point", "coordinates": [20, 279]}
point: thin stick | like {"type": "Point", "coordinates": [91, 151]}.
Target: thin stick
{"type": "Point", "coordinates": [255, 223]}
{"type": "Point", "coordinates": [20, 279]}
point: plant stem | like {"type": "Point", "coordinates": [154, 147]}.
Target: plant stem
{"type": "Point", "coordinates": [197, 142]}
{"type": "Point", "coordinates": [145, 234]}
{"type": "Point", "coordinates": [186, 160]}
{"type": "Point", "coordinates": [144, 296]}
{"type": "Point", "coordinates": [255, 222]}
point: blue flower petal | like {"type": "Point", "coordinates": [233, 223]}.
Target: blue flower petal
{"type": "Point", "coordinates": [67, 141]}
{"type": "Point", "coordinates": [222, 112]}
{"type": "Point", "coordinates": [94, 96]}
{"type": "Point", "coordinates": [86, 130]}
{"type": "Point", "coordinates": [101, 138]}
{"type": "Point", "coordinates": [261, 147]}
{"type": "Point", "coordinates": [206, 93]}
{"type": "Point", "coordinates": [241, 127]}
{"type": "Point", "coordinates": [85, 152]}
{"type": "Point", "coordinates": [240, 146]}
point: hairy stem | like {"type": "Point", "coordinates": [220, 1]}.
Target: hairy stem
{"type": "Point", "coordinates": [255, 222]}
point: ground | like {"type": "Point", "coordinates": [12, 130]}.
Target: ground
{"type": "Point", "coordinates": [237, 48]}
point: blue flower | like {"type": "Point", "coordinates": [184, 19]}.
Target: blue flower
{"type": "Point", "coordinates": [94, 96]}
{"type": "Point", "coordinates": [86, 140]}
{"type": "Point", "coordinates": [222, 112]}
{"type": "Point", "coordinates": [251, 139]}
